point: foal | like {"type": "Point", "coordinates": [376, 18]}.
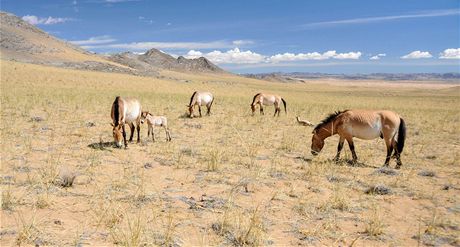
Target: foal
{"type": "Point", "coordinates": [161, 121]}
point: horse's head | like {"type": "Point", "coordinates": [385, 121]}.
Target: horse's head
{"type": "Point", "coordinates": [144, 116]}
{"type": "Point", "coordinates": [253, 108]}
{"type": "Point", "coordinates": [190, 110]}
{"type": "Point", "coordinates": [117, 135]}
{"type": "Point", "coordinates": [317, 143]}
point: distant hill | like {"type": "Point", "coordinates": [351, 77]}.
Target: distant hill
{"type": "Point", "coordinates": [154, 59]}
{"type": "Point", "coordinates": [23, 42]}
{"type": "Point", "coordinates": [300, 77]}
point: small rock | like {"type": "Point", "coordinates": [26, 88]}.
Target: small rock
{"type": "Point", "coordinates": [379, 189]}
{"type": "Point", "coordinates": [36, 119]}
{"type": "Point", "coordinates": [90, 124]}
{"type": "Point", "coordinates": [427, 173]}
{"type": "Point", "coordinates": [385, 171]}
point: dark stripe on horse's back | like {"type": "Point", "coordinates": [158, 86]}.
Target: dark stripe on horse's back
{"type": "Point", "coordinates": [255, 96]}
{"type": "Point", "coordinates": [328, 119]}
{"type": "Point", "coordinates": [116, 110]}
{"type": "Point", "coordinates": [191, 99]}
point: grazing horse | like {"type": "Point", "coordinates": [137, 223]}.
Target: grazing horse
{"type": "Point", "coordinates": [125, 111]}
{"type": "Point", "coordinates": [267, 99]}
{"type": "Point", "coordinates": [200, 99]}
{"type": "Point", "coordinates": [363, 124]}
{"type": "Point", "coordinates": [152, 121]}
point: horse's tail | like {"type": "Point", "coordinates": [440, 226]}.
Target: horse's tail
{"type": "Point", "coordinates": [191, 98]}
{"type": "Point", "coordinates": [212, 101]}
{"type": "Point", "coordinates": [401, 135]}
{"type": "Point", "coordinates": [254, 99]}
{"type": "Point", "coordinates": [284, 103]}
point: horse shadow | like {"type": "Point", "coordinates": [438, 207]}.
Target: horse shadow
{"type": "Point", "coordinates": [352, 163]}
{"type": "Point", "coordinates": [101, 146]}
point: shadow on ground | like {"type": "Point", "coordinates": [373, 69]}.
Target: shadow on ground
{"type": "Point", "coordinates": [101, 145]}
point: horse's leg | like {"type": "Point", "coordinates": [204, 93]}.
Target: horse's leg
{"type": "Point", "coordinates": [389, 146]}
{"type": "Point", "coordinates": [261, 110]}
{"type": "Point", "coordinates": [279, 110]}
{"type": "Point", "coordinates": [397, 156]}
{"type": "Point", "coordinates": [339, 149]}
{"type": "Point", "coordinates": [208, 106]}
{"type": "Point", "coordinates": [124, 135]}
{"type": "Point", "coordinates": [138, 131]}
{"type": "Point", "coordinates": [131, 127]}
{"type": "Point", "coordinates": [199, 109]}
{"type": "Point", "coordinates": [168, 138]}
{"type": "Point", "coordinates": [153, 134]}
{"type": "Point", "coordinates": [352, 149]}
{"type": "Point", "coordinates": [148, 131]}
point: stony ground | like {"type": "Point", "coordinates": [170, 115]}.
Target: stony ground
{"type": "Point", "coordinates": [227, 179]}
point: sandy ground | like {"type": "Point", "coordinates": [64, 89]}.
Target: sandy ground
{"type": "Point", "coordinates": [227, 179]}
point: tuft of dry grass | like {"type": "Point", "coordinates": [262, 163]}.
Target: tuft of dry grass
{"type": "Point", "coordinates": [374, 225]}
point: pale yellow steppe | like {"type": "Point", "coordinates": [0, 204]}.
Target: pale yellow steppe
{"type": "Point", "coordinates": [247, 180]}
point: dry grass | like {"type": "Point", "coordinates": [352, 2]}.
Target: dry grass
{"type": "Point", "coordinates": [226, 179]}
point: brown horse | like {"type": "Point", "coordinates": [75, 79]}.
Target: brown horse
{"type": "Point", "coordinates": [362, 124]}
{"type": "Point", "coordinates": [125, 111]}
{"type": "Point", "coordinates": [200, 99]}
{"type": "Point", "coordinates": [267, 99]}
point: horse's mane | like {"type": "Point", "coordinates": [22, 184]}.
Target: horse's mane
{"type": "Point", "coordinates": [191, 99]}
{"type": "Point", "coordinates": [116, 110]}
{"type": "Point", "coordinates": [255, 96]}
{"type": "Point", "coordinates": [328, 119]}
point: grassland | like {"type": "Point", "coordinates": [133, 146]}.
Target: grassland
{"type": "Point", "coordinates": [227, 179]}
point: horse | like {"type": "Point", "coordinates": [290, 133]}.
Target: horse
{"type": "Point", "coordinates": [362, 124]}
{"type": "Point", "coordinates": [200, 99]}
{"type": "Point", "coordinates": [125, 111]}
{"type": "Point", "coordinates": [152, 121]}
{"type": "Point", "coordinates": [267, 99]}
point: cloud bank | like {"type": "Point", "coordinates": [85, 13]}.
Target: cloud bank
{"type": "Point", "coordinates": [451, 53]}
{"type": "Point", "coordinates": [34, 20]}
{"type": "Point", "coordinates": [417, 55]}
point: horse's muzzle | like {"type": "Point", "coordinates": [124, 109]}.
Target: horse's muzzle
{"type": "Point", "coordinates": [314, 153]}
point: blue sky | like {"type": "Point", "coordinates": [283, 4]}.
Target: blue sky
{"type": "Point", "coordinates": [265, 35]}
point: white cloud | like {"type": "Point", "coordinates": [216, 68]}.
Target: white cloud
{"type": "Point", "coordinates": [242, 42]}
{"type": "Point", "coordinates": [349, 55]}
{"type": "Point", "coordinates": [378, 56]}
{"type": "Point", "coordinates": [313, 56]}
{"type": "Point", "coordinates": [417, 55]}
{"type": "Point", "coordinates": [450, 54]}
{"type": "Point", "coordinates": [35, 20]}
{"type": "Point", "coordinates": [431, 13]}
{"type": "Point", "coordinates": [94, 40]}
{"type": "Point", "coordinates": [234, 56]}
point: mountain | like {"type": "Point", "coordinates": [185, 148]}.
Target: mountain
{"type": "Point", "coordinates": [23, 42]}
{"type": "Point", "coordinates": [301, 77]}
{"type": "Point", "coordinates": [154, 59]}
